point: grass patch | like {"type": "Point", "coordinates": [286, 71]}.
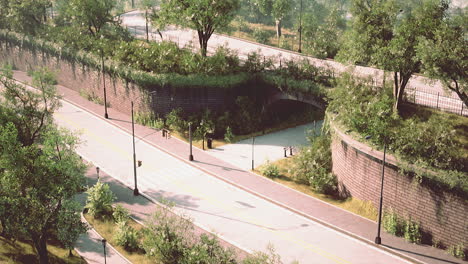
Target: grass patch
{"type": "Point", "coordinates": [247, 34]}
{"type": "Point", "coordinates": [354, 205]}
{"type": "Point", "coordinates": [24, 252]}
{"type": "Point", "coordinates": [460, 123]}
{"type": "Point", "coordinates": [107, 228]}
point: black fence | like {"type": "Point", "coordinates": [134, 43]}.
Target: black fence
{"type": "Point", "coordinates": [438, 100]}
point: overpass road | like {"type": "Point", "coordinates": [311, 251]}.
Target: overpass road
{"type": "Point", "coordinates": [237, 216]}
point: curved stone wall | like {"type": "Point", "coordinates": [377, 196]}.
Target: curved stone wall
{"type": "Point", "coordinates": [442, 215]}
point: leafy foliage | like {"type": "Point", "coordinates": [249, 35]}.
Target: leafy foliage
{"type": "Point", "coordinates": [208, 250]}
{"type": "Point", "coordinates": [270, 170]}
{"type": "Point", "coordinates": [269, 257]}
{"type": "Point", "coordinates": [167, 237]}
{"type": "Point", "coordinates": [121, 214]}
{"type": "Point", "coordinates": [312, 166]}
{"type": "Point", "coordinates": [69, 225]}
{"type": "Point", "coordinates": [90, 16]}
{"type": "Point", "coordinates": [428, 143]}
{"type": "Point", "coordinates": [444, 56]}
{"type": "Point", "coordinates": [261, 35]}
{"type": "Point", "coordinates": [204, 16]}
{"type": "Point", "coordinates": [457, 251]}
{"type": "Point", "coordinates": [41, 171]}
{"type": "Point", "coordinates": [99, 200]}
{"type": "Point", "coordinates": [385, 35]}
{"type": "Point", "coordinates": [412, 232]}
{"type": "Point", "coordinates": [127, 237]}
{"type": "Point", "coordinates": [392, 223]}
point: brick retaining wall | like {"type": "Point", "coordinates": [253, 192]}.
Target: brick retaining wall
{"type": "Point", "coordinates": [442, 215]}
{"type": "Point", "coordinates": [119, 92]}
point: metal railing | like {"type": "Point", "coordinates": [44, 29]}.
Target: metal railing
{"type": "Point", "coordinates": [437, 100]}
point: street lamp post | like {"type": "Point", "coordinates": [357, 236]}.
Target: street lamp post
{"type": "Point", "coordinates": [97, 171]}
{"type": "Point", "coordinates": [300, 29]}
{"type": "Point", "coordinates": [104, 246]}
{"type": "Point", "coordinates": [135, 190]}
{"type": "Point", "coordinates": [190, 141]}
{"type": "Point", "coordinates": [378, 239]}
{"type": "Point", "coordinates": [104, 84]}
{"type": "Point", "coordinates": [253, 144]}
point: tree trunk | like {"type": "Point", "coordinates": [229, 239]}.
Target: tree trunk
{"type": "Point", "coordinates": [400, 83]}
{"type": "Point", "coordinates": [203, 41]}
{"type": "Point", "coordinates": [146, 24]}
{"type": "Point", "coordinates": [278, 28]}
{"type": "Point", "coordinates": [70, 254]}
{"type": "Point", "coordinates": [463, 96]}
{"type": "Point", "coordinates": [40, 243]}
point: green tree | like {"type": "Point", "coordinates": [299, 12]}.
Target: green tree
{"type": "Point", "coordinates": [28, 110]}
{"type": "Point", "coordinates": [37, 179]}
{"type": "Point", "coordinates": [89, 15]}
{"type": "Point", "coordinates": [40, 169]}
{"type": "Point", "coordinates": [149, 7]}
{"type": "Point", "coordinates": [278, 8]}
{"type": "Point", "coordinates": [204, 16]}
{"type": "Point", "coordinates": [27, 16]}
{"type": "Point", "coordinates": [69, 226]}
{"type": "Point", "coordinates": [445, 56]}
{"type": "Point", "coordinates": [385, 34]}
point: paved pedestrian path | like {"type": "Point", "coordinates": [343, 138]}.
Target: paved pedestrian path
{"type": "Point", "coordinates": [337, 219]}
{"type": "Point", "coordinates": [269, 147]}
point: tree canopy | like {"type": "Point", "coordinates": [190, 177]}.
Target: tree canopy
{"type": "Point", "coordinates": [40, 171]}
{"type": "Point", "coordinates": [385, 34]}
{"type": "Point", "coordinates": [204, 16]}
{"type": "Point", "coordinates": [445, 56]}
{"type": "Point", "coordinates": [89, 15]}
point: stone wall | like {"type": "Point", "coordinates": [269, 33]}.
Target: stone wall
{"type": "Point", "coordinates": [442, 215]}
{"type": "Point", "coordinates": [119, 92]}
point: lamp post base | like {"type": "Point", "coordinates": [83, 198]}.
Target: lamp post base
{"type": "Point", "coordinates": [106, 116]}
{"type": "Point", "coordinates": [136, 192]}
{"type": "Point", "coordinates": [190, 157]}
{"type": "Point", "coordinates": [378, 240]}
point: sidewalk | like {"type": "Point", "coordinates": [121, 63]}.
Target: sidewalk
{"type": "Point", "coordinates": [309, 207]}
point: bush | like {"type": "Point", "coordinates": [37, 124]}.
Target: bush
{"type": "Point", "coordinates": [261, 35]}
{"type": "Point", "coordinates": [457, 251]}
{"type": "Point", "coordinates": [208, 250]}
{"type": "Point", "coordinates": [312, 166]}
{"type": "Point", "coordinates": [270, 170]}
{"type": "Point", "coordinates": [392, 223]}
{"type": "Point", "coordinates": [127, 237]}
{"type": "Point", "coordinates": [228, 136]}
{"type": "Point", "coordinates": [412, 232]}
{"type": "Point", "coordinates": [121, 214]}
{"type": "Point", "coordinates": [270, 257]}
{"type": "Point", "coordinates": [99, 200]}
{"type": "Point", "coordinates": [175, 121]}
{"type": "Point", "coordinates": [167, 237]}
